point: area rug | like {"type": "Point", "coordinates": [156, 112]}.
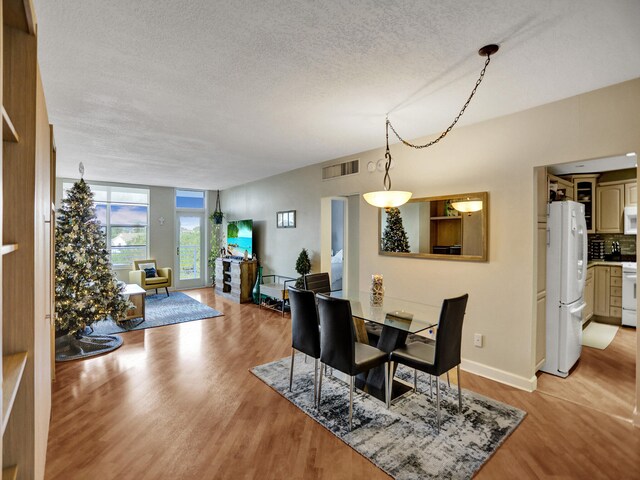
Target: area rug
{"type": "Point", "coordinates": [160, 310]}
{"type": "Point", "coordinates": [403, 441]}
{"type": "Point", "coordinates": [598, 335]}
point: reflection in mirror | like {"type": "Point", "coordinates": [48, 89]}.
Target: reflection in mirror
{"type": "Point", "coordinates": [446, 227]}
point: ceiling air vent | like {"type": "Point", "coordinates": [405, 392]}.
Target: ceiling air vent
{"type": "Point", "coordinates": [341, 169]}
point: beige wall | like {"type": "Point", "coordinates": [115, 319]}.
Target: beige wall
{"type": "Point", "coordinates": [497, 156]}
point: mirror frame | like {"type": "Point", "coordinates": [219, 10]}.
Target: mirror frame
{"type": "Point", "coordinates": [484, 196]}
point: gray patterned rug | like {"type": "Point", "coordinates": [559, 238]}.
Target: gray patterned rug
{"type": "Point", "coordinates": [160, 310]}
{"type": "Point", "coordinates": [403, 441]}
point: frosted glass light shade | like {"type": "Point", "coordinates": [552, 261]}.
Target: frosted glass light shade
{"type": "Point", "coordinates": [468, 206]}
{"type": "Point", "coordinates": [387, 198]}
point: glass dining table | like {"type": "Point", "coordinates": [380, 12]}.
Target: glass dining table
{"type": "Point", "coordinates": [398, 318]}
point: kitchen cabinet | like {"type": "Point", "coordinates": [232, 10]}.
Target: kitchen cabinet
{"type": "Point", "coordinates": [602, 290]}
{"type": "Point", "coordinates": [631, 194]}
{"type": "Point", "coordinates": [542, 258]}
{"type": "Point", "coordinates": [589, 295]}
{"type": "Point", "coordinates": [585, 193]}
{"type": "Point", "coordinates": [610, 208]}
{"type": "Point", "coordinates": [559, 188]}
{"type": "Point", "coordinates": [541, 329]}
{"type": "Point", "coordinates": [615, 297]}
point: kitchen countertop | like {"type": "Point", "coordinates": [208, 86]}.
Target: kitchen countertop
{"type": "Point", "coordinates": [606, 263]}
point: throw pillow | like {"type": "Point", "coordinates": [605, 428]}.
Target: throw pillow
{"type": "Point", "coordinates": [150, 272]}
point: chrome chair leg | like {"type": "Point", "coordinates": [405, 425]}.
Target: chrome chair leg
{"type": "Point", "coordinates": [319, 387]}
{"type": "Point", "coordinates": [431, 385]}
{"type": "Point", "coordinates": [459, 390]}
{"type": "Point", "coordinates": [315, 381]}
{"type": "Point", "coordinates": [387, 385]}
{"type": "Point", "coordinates": [351, 382]}
{"type": "Point", "coordinates": [438, 401]}
{"type": "Point", "coordinates": [293, 354]}
{"type": "Point", "coordinates": [305, 359]}
{"type": "Point", "coordinates": [415, 379]}
{"type": "Point", "coordinates": [448, 381]}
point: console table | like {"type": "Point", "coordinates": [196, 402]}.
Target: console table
{"type": "Point", "coordinates": [275, 287]}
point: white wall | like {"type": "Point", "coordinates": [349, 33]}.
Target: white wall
{"type": "Point", "coordinates": [497, 156]}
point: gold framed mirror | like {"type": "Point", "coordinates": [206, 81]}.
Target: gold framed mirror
{"type": "Point", "coordinates": [448, 227]}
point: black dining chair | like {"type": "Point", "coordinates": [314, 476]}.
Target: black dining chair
{"type": "Point", "coordinates": [317, 282]}
{"type": "Point", "coordinates": [305, 333]}
{"type": "Point", "coordinates": [339, 349]}
{"type": "Point", "coordinates": [444, 355]}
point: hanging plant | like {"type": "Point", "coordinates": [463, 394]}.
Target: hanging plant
{"type": "Point", "coordinates": [217, 215]}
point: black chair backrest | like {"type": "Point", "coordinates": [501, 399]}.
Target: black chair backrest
{"type": "Point", "coordinates": [305, 333]}
{"type": "Point", "coordinates": [337, 334]}
{"type": "Point", "coordinates": [449, 334]}
{"type": "Point", "coordinates": [317, 282]}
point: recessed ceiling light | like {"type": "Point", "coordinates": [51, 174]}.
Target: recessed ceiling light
{"type": "Point", "coordinates": [631, 154]}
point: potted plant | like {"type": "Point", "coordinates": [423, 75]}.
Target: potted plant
{"type": "Point", "coordinates": [217, 215]}
{"type": "Point", "coordinates": [303, 267]}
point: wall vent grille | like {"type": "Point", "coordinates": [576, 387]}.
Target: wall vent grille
{"type": "Point", "coordinates": [341, 169]}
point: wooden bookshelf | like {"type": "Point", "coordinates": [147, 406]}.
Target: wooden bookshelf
{"type": "Point", "coordinates": [11, 247]}
{"type": "Point", "coordinates": [12, 370]}
{"type": "Point", "coordinates": [9, 133]}
{"type": "Point", "coordinates": [10, 473]}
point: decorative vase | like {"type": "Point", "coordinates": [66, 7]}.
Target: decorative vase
{"type": "Point", "coordinates": [376, 296]}
{"type": "Point", "coordinates": [255, 293]}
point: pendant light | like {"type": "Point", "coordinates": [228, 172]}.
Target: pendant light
{"type": "Point", "coordinates": [388, 198]}
{"type": "Point", "coordinates": [467, 206]}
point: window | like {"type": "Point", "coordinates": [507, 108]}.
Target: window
{"type": "Point", "coordinates": [189, 199]}
{"type": "Point", "coordinates": [123, 213]}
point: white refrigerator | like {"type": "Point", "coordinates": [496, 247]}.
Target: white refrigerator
{"type": "Point", "coordinates": [566, 273]}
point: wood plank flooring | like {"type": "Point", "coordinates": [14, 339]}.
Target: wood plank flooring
{"type": "Point", "coordinates": [602, 379]}
{"type": "Point", "coordinates": [178, 402]}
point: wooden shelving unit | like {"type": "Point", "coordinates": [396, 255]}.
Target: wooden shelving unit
{"type": "Point", "coordinates": [9, 133]}
{"type": "Point", "coordinates": [28, 175]}
{"type": "Point", "coordinates": [11, 247]}
{"type": "Point", "coordinates": [12, 369]}
{"type": "Point", "coordinates": [10, 473]}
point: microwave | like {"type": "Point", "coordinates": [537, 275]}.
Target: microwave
{"type": "Point", "coordinates": [630, 220]}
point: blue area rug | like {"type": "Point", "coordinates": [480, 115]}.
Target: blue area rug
{"type": "Point", "coordinates": [160, 310]}
{"type": "Point", "coordinates": [402, 441]}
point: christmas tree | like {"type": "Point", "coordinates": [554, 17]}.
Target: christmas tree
{"type": "Point", "coordinates": [86, 287]}
{"type": "Point", "coordinates": [394, 238]}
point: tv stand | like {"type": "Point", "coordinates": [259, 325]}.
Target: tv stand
{"type": "Point", "coordinates": [235, 278]}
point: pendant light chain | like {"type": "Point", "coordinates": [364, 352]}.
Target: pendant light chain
{"type": "Point", "coordinates": [443, 134]}
{"type": "Point", "coordinates": [387, 179]}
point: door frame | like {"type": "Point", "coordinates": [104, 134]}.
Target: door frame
{"type": "Point", "coordinates": [204, 241]}
{"type": "Point", "coordinates": [325, 237]}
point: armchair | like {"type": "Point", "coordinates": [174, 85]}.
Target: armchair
{"type": "Point", "coordinates": [163, 278]}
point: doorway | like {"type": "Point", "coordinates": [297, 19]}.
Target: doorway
{"type": "Point", "coordinates": [604, 377]}
{"type": "Point", "coordinates": [339, 248]}
{"type": "Point", "coordinates": [190, 245]}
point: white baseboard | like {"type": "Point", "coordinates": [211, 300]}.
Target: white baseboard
{"type": "Point", "coordinates": [522, 383]}
{"type": "Point", "coordinates": [539, 365]}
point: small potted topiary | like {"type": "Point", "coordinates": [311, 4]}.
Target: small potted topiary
{"type": "Point", "coordinates": [303, 267]}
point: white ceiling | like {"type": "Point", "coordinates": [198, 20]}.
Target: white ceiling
{"type": "Point", "coordinates": [212, 94]}
{"type": "Point", "coordinates": [597, 165]}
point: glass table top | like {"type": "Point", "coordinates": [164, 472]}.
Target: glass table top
{"type": "Point", "coordinates": [403, 315]}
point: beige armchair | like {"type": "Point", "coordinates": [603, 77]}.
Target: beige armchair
{"type": "Point", "coordinates": [163, 278]}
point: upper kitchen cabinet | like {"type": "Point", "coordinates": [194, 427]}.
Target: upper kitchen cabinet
{"type": "Point", "coordinates": [584, 187]}
{"type": "Point", "coordinates": [630, 194]}
{"type": "Point", "coordinates": [559, 188]}
{"type": "Point", "coordinates": [610, 208]}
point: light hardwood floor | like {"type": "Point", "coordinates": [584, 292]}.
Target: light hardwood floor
{"type": "Point", "coordinates": [178, 402]}
{"type": "Point", "coordinates": [604, 380]}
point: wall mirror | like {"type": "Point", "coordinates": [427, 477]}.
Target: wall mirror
{"type": "Point", "coordinates": [450, 227]}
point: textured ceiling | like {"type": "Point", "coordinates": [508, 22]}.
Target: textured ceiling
{"type": "Point", "coordinates": [212, 94]}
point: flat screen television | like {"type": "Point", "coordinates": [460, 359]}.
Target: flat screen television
{"type": "Point", "coordinates": [240, 238]}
